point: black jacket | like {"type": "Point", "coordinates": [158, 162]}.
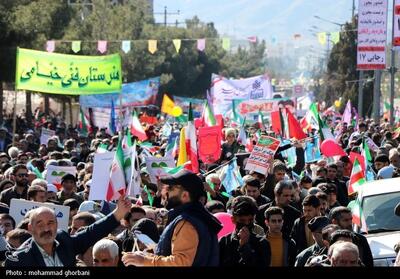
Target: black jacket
{"type": "Point", "coordinates": [289, 250]}
{"type": "Point", "coordinates": [302, 258]}
{"type": "Point", "coordinates": [256, 252]}
{"type": "Point", "coordinates": [28, 255]}
{"type": "Point", "coordinates": [364, 249]}
{"type": "Point", "coordinates": [299, 234]}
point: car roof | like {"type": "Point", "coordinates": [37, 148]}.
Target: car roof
{"type": "Point", "coordinates": [380, 186]}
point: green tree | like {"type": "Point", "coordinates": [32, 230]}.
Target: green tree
{"type": "Point", "coordinates": [29, 24]}
{"type": "Point", "coordinates": [341, 78]}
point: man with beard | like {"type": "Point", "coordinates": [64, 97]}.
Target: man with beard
{"type": "Point", "coordinates": [20, 189]}
{"type": "Point", "coordinates": [190, 237]}
{"type": "Point", "coordinates": [49, 247]}
{"type": "Point", "coordinates": [243, 247]}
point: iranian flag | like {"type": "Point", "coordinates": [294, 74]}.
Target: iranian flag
{"type": "Point", "coordinates": [208, 115]}
{"type": "Point", "coordinates": [366, 153]}
{"type": "Point", "coordinates": [117, 183]}
{"type": "Point", "coordinates": [191, 141]}
{"type": "Point", "coordinates": [136, 127]}
{"type": "Point", "coordinates": [172, 148]}
{"type": "Point", "coordinates": [357, 177]}
{"type": "Point", "coordinates": [84, 122]}
{"type": "Point", "coordinates": [358, 216]}
{"type": "Point", "coordinates": [236, 119]}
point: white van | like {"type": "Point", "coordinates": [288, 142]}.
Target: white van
{"type": "Point", "coordinates": [378, 199]}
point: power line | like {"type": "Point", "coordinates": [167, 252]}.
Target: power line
{"type": "Point", "coordinates": [166, 13]}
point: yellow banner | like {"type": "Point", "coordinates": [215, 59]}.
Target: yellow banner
{"type": "Point", "coordinates": [67, 74]}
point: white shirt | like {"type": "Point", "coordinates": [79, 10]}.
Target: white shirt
{"type": "Point", "coordinates": [48, 259]}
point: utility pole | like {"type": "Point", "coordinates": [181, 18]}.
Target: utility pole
{"type": "Point", "coordinates": [353, 9]}
{"type": "Point", "coordinates": [166, 13]}
{"type": "Point", "coordinates": [360, 93]}
{"type": "Point", "coordinates": [328, 40]}
{"type": "Point", "coordinates": [377, 95]}
{"type": "Point", "coordinates": [392, 70]}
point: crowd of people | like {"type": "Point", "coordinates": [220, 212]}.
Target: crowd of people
{"type": "Point", "coordinates": [279, 219]}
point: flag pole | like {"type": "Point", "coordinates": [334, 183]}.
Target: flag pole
{"type": "Point", "coordinates": [15, 117]}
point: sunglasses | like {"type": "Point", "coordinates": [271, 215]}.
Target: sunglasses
{"type": "Point", "coordinates": [22, 175]}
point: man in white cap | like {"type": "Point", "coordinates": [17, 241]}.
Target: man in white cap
{"type": "Point", "coordinates": [51, 192]}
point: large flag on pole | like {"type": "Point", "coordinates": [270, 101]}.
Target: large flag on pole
{"type": "Point", "coordinates": [167, 105]}
{"type": "Point", "coordinates": [191, 141]}
{"type": "Point", "coordinates": [347, 113]}
{"type": "Point", "coordinates": [136, 128]}
{"type": "Point", "coordinates": [295, 130]}
{"type": "Point", "coordinates": [182, 157]}
{"type": "Point", "coordinates": [112, 126]}
{"type": "Point", "coordinates": [117, 183]}
{"type": "Point", "coordinates": [84, 123]}
{"type": "Point", "coordinates": [208, 115]}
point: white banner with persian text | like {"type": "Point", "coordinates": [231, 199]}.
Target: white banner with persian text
{"type": "Point", "coordinates": [224, 90]}
{"type": "Point", "coordinates": [371, 41]}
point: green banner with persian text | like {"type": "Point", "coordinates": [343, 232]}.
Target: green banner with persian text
{"type": "Point", "coordinates": [67, 74]}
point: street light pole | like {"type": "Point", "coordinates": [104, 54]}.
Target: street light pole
{"type": "Point", "coordinates": [392, 70]}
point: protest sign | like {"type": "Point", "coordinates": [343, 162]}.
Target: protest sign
{"type": "Point", "coordinates": [55, 173]}
{"type": "Point", "coordinates": [101, 175]}
{"type": "Point", "coordinates": [45, 135]}
{"type": "Point", "coordinates": [19, 207]}
{"type": "Point", "coordinates": [67, 74]}
{"type": "Point", "coordinates": [155, 166]}
{"type": "Point", "coordinates": [224, 90]}
{"type": "Point", "coordinates": [262, 155]}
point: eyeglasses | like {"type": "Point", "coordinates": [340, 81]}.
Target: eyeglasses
{"type": "Point", "coordinates": [22, 175]}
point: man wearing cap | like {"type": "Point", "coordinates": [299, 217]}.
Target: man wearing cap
{"type": "Point", "coordinates": [190, 237]}
{"type": "Point", "coordinates": [315, 225]}
{"type": "Point", "coordinates": [68, 184]}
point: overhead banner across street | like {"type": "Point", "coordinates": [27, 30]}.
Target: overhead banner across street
{"type": "Point", "coordinates": [67, 74]}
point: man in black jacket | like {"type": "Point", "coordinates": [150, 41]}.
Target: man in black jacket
{"type": "Point", "coordinates": [243, 247]}
{"type": "Point", "coordinates": [283, 196]}
{"type": "Point", "coordinates": [283, 248]}
{"type": "Point", "coordinates": [49, 247]}
{"type": "Point", "coordinates": [301, 233]}
{"type": "Point", "coordinates": [342, 216]}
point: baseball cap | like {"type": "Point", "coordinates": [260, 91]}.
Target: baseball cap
{"type": "Point", "coordinates": [91, 207]}
{"type": "Point", "coordinates": [51, 188]}
{"type": "Point", "coordinates": [318, 223]}
{"type": "Point", "coordinates": [188, 180]}
{"type": "Point", "coordinates": [68, 176]}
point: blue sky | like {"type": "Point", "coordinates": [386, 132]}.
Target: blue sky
{"type": "Point", "coordinates": [267, 19]}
